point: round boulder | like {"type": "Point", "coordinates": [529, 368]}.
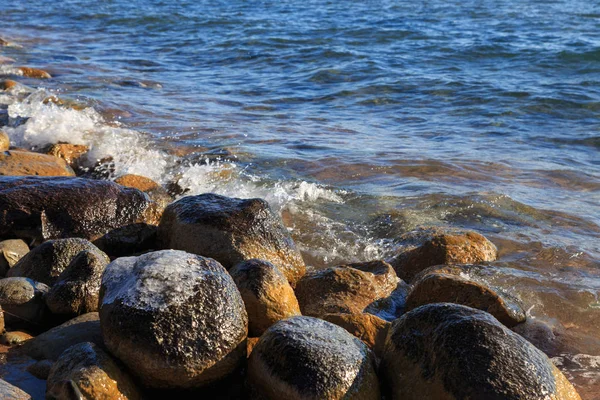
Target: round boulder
{"type": "Point", "coordinates": [462, 284]}
{"type": "Point", "coordinates": [266, 293]}
{"type": "Point", "coordinates": [230, 230]}
{"type": "Point", "coordinates": [345, 289]}
{"type": "Point", "coordinates": [426, 247]}
{"type": "Point", "coordinates": [449, 351]}
{"type": "Point", "coordinates": [308, 358]}
{"type": "Point", "coordinates": [175, 319]}
{"type": "Point", "coordinates": [22, 300]}
{"type": "Point", "coordinates": [87, 369]}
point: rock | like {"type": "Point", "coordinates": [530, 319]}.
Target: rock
{"type": "Point", "coordinates": [370, 329]}
{"type": "Point", "coordinates": [128, 240]}
{"type": "Point", "coordinates": [34, 73]}
{"type": "Point", "coordinates": [461, 284]}
{"type": "Point", "coordinates": [93, 372]}
{"type": "Point", "coordinates": [39, 209]}
{"type": "Point", "coordinates": [77, 289]}
{"type": "Point", "coordinates": [230, 230]}
{"type": "Point", "coordinates": [40, 369]}
{"type": "Point", "coordinates": [426, 247]}
{"type": "Point", "coordinates": [4, 141]}
{"type": "Point", "coordinates": [345, 289]}
{"type": "Point", "coordinates": [450, 351]}
{"type": "Point", "coordinates": [308, 358]}
{"type": "Point", "coordinates": [50, 344]}
{"type": "Point", "coordinates": [8, 84]}
{"type": "Point", "coordinates": [19, 163]}
{"type": "Point", "coordinates": [11, 251]}
{"type": "Point", "coordinates": [22, 300]}
{"type": "Point", "coordinates": [10, 392]}
{"type": "Point", "coordinates": [71, 153]}
{"type": "Point", "coordinates": [391, 307]}
{"type": "Point", "coordinates": [250, 343]}
{"type": "Point", "coordinates": [6, 60]}
{"type": "Point", "coordinates": [15, 338]}
{"type": "Point", "coordinates": [175, 319]}
{"type": "Point", "coordinates": [46, 262]}
{"type": "Point", "coordinates": [157, 193]}
{"type": "Point", "coordinates": [2, 327]}
{"type": "Point", "coordinates": [266, 293]}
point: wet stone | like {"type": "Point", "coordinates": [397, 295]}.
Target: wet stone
{"type": "Point", "coordinates": [10, 392]}
{"type": "Point", "coordinates": [450, 351]}
{"type": "Point", "coordinates": [308, 358]}
{"type": "Point", "coordinates": [128, 240]}
{"type": "Point", "coordinates": [230, 230]}
{"type": "Point", "coordinates": [20, 163]}
{"type": "Point", "coordinates": [22, 300]}
{"type": "Point", "coordinates": [71, 153]}
{"type": "Point", "coordinates": [370, 329]}
{"type": "Point", "coordinates": [4, 141]}
{"type": "Point", "coordinates": [15, 338]}
{"type": "Point", "coordinates": [40, 369]}
{"type": "Point", "coordinates": [11, 251]}
{"type": "Point", "coordinates": [175, 319]}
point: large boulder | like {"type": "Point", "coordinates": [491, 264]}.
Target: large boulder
{"type": "Point", "coordinates": [50, 344]}
{"type": "Point", "coordinates": [464, 284]}
{"type": "Point", "coordinates": [230, 230]}
{"type": "Point", "coordinates": [22, 300]}
{"type": "Point", "coordinates": [77, 289]}
{"type": "Point", "coordinates": [46, 262]}
{"type": "Point", "coordinates": [175, 319]}
{"type": "Point", "coordinates": [426, 247]}
{"type": "Point", "coordinates": [93, 373]}
{"type": "Point", "coordinates": [159, 195]}
{"type": "Point", "coordinates": [19, 163]}
{"type": "Point", "coordinates": [11, 251]}
{"type": "Point", "coordinates": [308, 358]}
{"type": "Point", "coordinates": [128, 240]}
{"type": "Point", "coordinates": [266, 292]}
{"type": "Point", "coordinates": [345, 289]}
{"type": "Point", "coordinates": [449, 351]}
{"type": "Point", "coordinates": [42, 208]}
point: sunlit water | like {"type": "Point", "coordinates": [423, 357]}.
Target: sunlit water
{"type": "Point", "coordinates": [357, 121]}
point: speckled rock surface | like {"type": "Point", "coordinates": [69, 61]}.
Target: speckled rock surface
{"type": "Point", "coordinates": [10, 392]}
{"type": "Point", "coordinates": [45, 263]}
{"type": "Point", "coordinates": [267, 295]}
{"type": "Point", "coordinates": [42, 208]}
{"type": "Point", "coordinates": [50, 344]}
{"type": "Point", "coordinates": [345, 289]}
{"type": "Point", "coordinates": [77, 288]}
{"type": "Point", "coordinates": [159, 195]}
{"type": "Point", "coordinates": [308, 358]}
{"type": "Point", "coordinates": [450, 351]}
{"type": "Point", "coordinates": [11, 251]}
{"type": "Point", "coordinates": [175, 319]}
{"type": "Point", "coordinates": [426, 247]}
{"type": "Point", "coordinates": [93, 372]}
{"type": "Point", "coordinates": [463, 284]}
{"type": "Point", "coordinates": [22, 300]}
{"type": "Point", "coordinates": [18, 163]}
{"type": "Point", "coordinates": [230, 230]}
{"type": "Point", "coordinates": [370, 329]}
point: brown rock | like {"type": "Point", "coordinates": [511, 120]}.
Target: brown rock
{"type": "Point", "coordinates": [11, 251]}
{"type": "Point", "coordinates": [50, 344]}
{"type": "Point", "coordinates": [4, 141]}
{"type": "Point", "coordinates": [71, 153]}
{"type": "Point", "coordinates": [34, 73]}
{"type": "Point", "coordinates": [157, 193]}
{"type": "Point", "coordinates": [19, 163]}
{"type": "Point", "coordinates": [267, 294]}
{"type": "Point", "coordinates": [10, 392]}
{"type": "Point", "coordinates": [426, 247]}
{"type": "Point", "coordinates": [345, 289]}
{"type": "Point", "coordinates": [42, 208]}
{"type": "Point", "coordinates": [370, 329]}
{"type": "Point", "coordinates": [15, 338]}
{"type": "Point", "coordinates": [93, 372]}
{"type": "Point", "coordinates": [64, 103]}
{"type": "Point", "coordinates": [8, 84]}
{"type": "Point", "coordinates": [461, 284]}
{"type": "Point", "coordinates": [250, 343]}
{"type": "Point", "coordinates": [449, 351]}
{"type": "Point", "coordinates": [230, 230]}
{"type": "Point", "coordinates": [136, 181]}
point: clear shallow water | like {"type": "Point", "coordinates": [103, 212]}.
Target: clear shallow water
{"type": "Point", "coordinates": [356, 121]}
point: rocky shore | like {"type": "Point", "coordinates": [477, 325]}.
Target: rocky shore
{"type": "Point", "coordinates": [126, 289]}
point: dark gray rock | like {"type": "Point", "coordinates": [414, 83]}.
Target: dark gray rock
{"type": "Point", "coordinates": [41, 208]}
{"type": "Point", "coordinates": [50, 344]}
{"type": "Point", "coordinates": [128, 240]}
{"type": "Point", "coordinates": [450, 351]}
{"type": "Point", "coordinates": [230, 230]}
{"type": "Point", "coordinates": [308, 358]}
{"type": "Point", "coordinates": [47, 261]}
{"type": "Point", "coordinates": [174, 318]}
{"type": "Point", "coordinates": [11, 251]}
{"type": "Point", "coordinates": [77, 289]}
{"type": "Point", "coordinates": [40, 369]}
{"type": "Point", "coordinates": [22, 300]}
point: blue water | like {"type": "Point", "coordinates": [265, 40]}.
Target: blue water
{"type": "Point", "coordinates": [360, 120]}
